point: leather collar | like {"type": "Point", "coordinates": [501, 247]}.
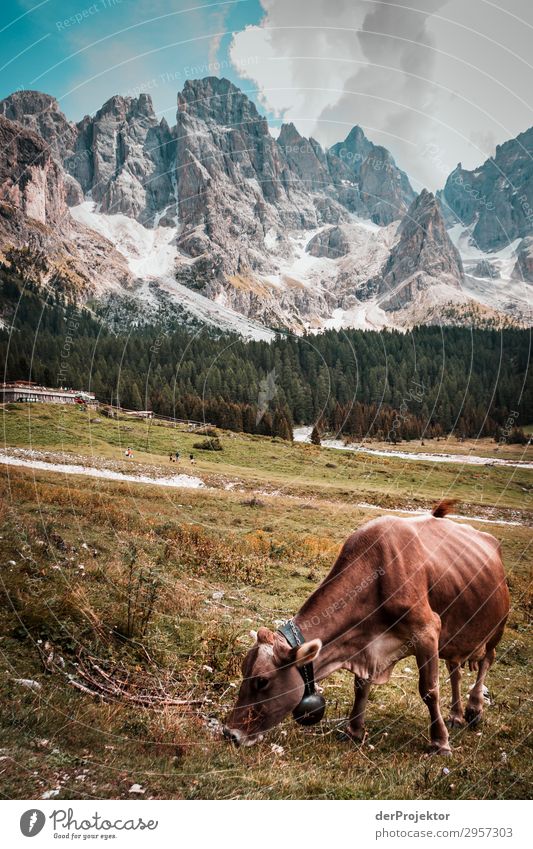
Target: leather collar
{"type": "Point", "coordinates": [295, 638]}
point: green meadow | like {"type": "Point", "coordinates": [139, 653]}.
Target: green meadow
{"type": "Point", "coordinates": [129, 606]}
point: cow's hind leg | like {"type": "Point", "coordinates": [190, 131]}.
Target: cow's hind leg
{"type": "Point", "coordinates": [427, 658]}
{"type": "Point", "coordinates": [474, 708]}
{"type": "Point", "coordinates": [355, 729]}
{"type": "Point", "coordinates": [456, 718]}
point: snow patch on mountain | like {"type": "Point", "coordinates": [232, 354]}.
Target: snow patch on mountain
{"type": "Point", "coordinates": [212, 312]}
{"type": "Point", "coordinates": [368, 316]}
{"type": "Point", "coordinates": [150, 253]}
{"type": "Point", "coordinates": [463, 240]}
{"type": "Point", "coordinates": [495, 287]}
{"type": "Point", "coordinates": [152, 257]}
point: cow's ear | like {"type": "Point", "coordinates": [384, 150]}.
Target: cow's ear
{"type": "Point", "coordinates": [283, 654]}
{"type": "Point", "coordinates": [265, 635]}
{"type": "Point", "coordinates": [307, 652]}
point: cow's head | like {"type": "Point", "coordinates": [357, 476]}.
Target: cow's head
{"type": "Point", "coordinates": [271, 687]}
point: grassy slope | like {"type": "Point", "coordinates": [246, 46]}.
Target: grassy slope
{"type": "Point", "coordinates": [266, 559]}
{"type": "Point", "coordinates": [256, 461]}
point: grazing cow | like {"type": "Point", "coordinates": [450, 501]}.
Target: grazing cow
{"type": "Point", "coordinates": [423, 586]}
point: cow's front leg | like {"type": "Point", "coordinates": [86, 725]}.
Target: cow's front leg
{"type": "Point", "coordinates": [355, 729]}
{"type": "Point", "coordinates": [427, 658]}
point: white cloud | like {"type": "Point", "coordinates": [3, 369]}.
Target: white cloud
{"type": "Point", "coordinates": [435, 81]}
{"type": "Point", "coordinates": [294, 69]}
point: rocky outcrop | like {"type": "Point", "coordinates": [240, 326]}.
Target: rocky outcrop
{"type": "Point", "coordinates": [385, 189]}
{"type": "Point", "coordinates": [352, 152]}
{"type": "Point", "coordinates": [305, 158]}
{"type": "Point", "coordinates": [423, 256]}
{"type": "Point", "coordinates": [125, 158]}
{"type": "Point", "coordinates": [484, 268]}
{"type": "Point", "coordinates": [330, 242]}
{"type": "Point", "coordinates": [369, 179]}
{"type": "Point", "coordinates": [36, 230]}
{"type": "Point", "coordinates": [523, 269]}
{"type": "Point", "coordinates": [31, 181]}
{"type": "Point", "coordinates": [237, 186]}
{"type": "Point", "coordinates": [40, 113]}
{"type": "Point", "coordinates": [498, 196]}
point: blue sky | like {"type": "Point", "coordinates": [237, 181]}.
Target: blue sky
{"type": "Point", "coordinates": [437, 82]}
{"type": "Point", "coordinates": [83, 52]}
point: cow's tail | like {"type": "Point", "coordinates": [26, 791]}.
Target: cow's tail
{"type": "Point", "coordinates": [443, 507]}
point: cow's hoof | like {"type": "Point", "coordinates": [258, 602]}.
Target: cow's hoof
{"type": "Point", "coordinates": [344, 735]}
{"type": "Point", "coordinates": [473, 717]}
{"type": "Point", "coordinates": [456, 722]}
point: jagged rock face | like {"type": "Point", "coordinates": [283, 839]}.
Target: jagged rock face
{"type": "Point", "coordinates": [265, 226]}
{"type": "Point", "coordinates": [331, 243]}
{"type": "Point", "coordinates": [498, 196]}
{"type": "Point", "coordinates": [31, 181]}
{"type": "Point", "coordinates": [123, 155]}
{"type": "Point", "coordinates": [484, 268]}
{"type": "Point", "coordinates": [423, 256]}
{"type": "Point", "coordinates": [523, 269]}
{"type": "Point", "coordinates": [236, 186]}
{"type": "Point", "coordinates": [353, 151]}
{"type": "Point", "coordinates": [385, 190]}
{"type": "Point", "coordinates": [41, 113]}
{"type": "Point", "coordinates": [212, 99]}
{"type": "Point", "coordinates": [305, 158]}
{"type": "Point", "coordinates": [379, 189]}
{"type": "Point", "coordinates": [34, 219]}
{"type": "Point", "coordinates": [124, 158]}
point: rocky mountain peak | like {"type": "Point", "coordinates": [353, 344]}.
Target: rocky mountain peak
{"type": "Point", "coordinates": [305, 157]}
{"type": "Point", "coordinates": [35, 224]}
{"type": "Point", "coordinates": [423, 256]}
{"type": "Point", "coordinates": [354, 149]}
{"type": "Point", "coordinates": [385, 188]}
{"type": "Point", "coordinates": [124, 156]}
{"type": "Point", "coordinates": [215, 99]}
{"type": "Point", "coordinates": [496, 199]}
{"type": "Point", "coordinates": [288, 134]}
{"type": "Point", "coordinates": [423, 211]}
{"type": "Point", "coordinates": [40, 113]}
{"type": "Point", "coordinates": [127, 108]}
{"type": "Point", "coordinates": [384, 192]}
{"type": "Point", "coordinates": [28, 102]}
{"type": "Point", "coordinates": [424, 239]}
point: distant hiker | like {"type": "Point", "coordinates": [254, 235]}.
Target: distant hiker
{"type": "Point", "coordinates": [171, 458]}
{"type": "Point", "coordinates": [191, 457]}
{"type": "Point", "coordinates": [129, 452]}
{"type": "Point", "coordinates": [177, 456]}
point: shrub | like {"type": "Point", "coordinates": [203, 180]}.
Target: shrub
{"type": "Point", "coordinates": [141, 589]}
{"type": "Point", "coordinates": [206, 431]}
{"type": "Point", "coordinates": [209, 445]}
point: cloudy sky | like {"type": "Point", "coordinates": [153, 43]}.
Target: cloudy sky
{"type": "Point", "coordinates": [435, 81]}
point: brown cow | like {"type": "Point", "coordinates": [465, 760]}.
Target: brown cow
{"type": "Point", "coordinates": [423, 586]}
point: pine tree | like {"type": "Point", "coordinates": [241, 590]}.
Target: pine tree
{"type": "Point", "coordinates": [315, 436]}
{"type": "Point", "coordinates": [135, 398]}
